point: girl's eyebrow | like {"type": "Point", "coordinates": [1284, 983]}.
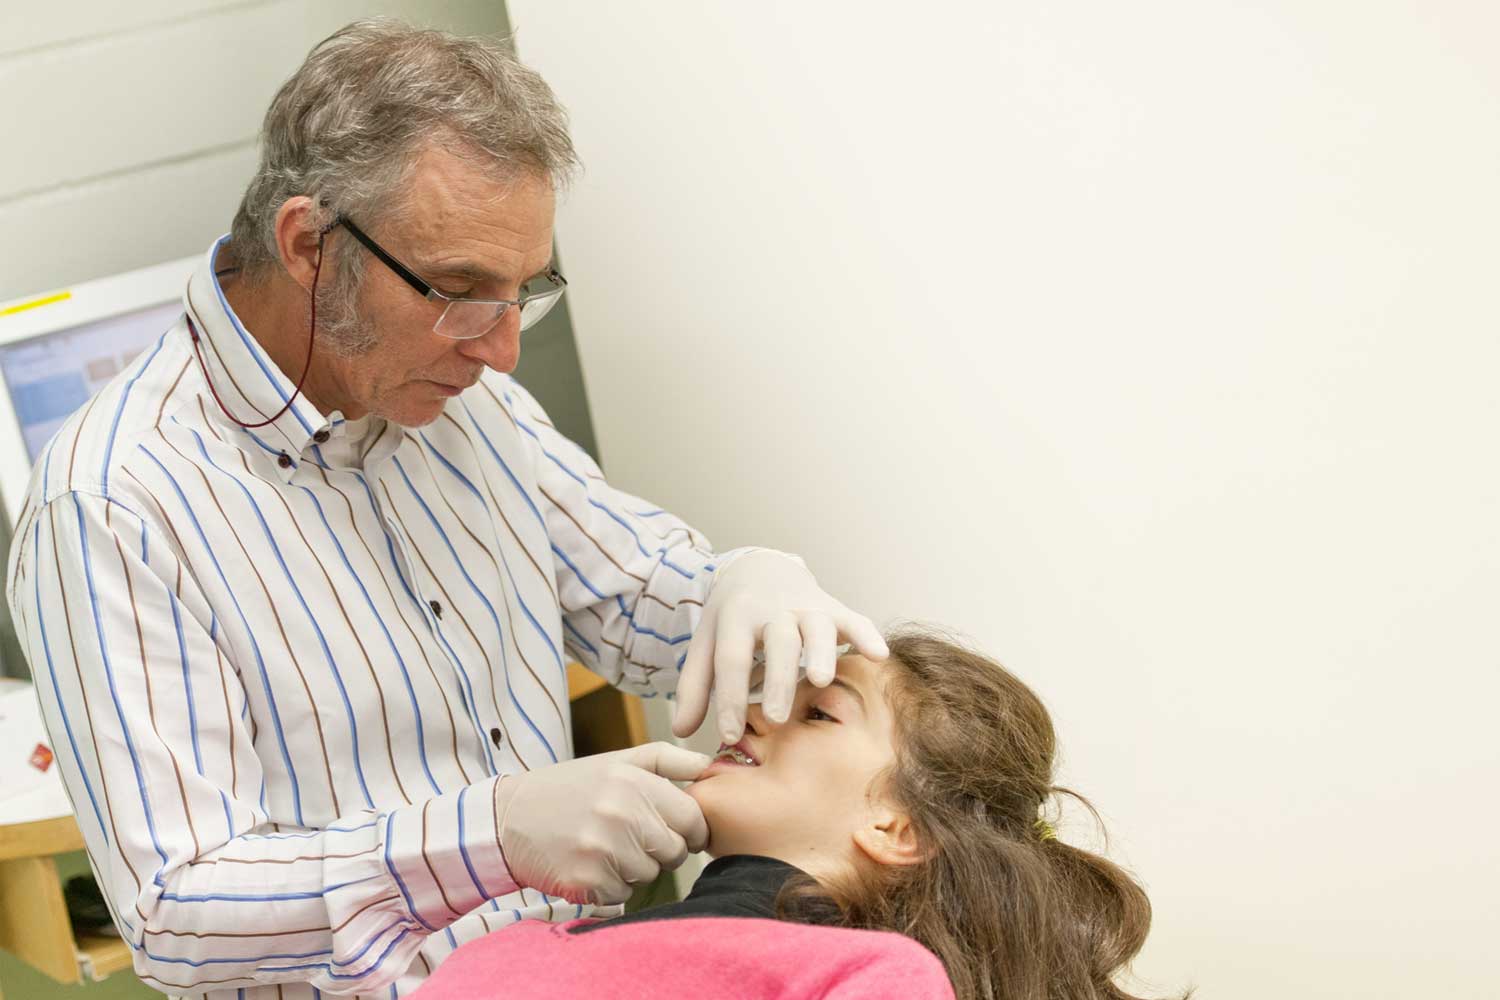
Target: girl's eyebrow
{"type": "Point", "coordinates": [847, 686]}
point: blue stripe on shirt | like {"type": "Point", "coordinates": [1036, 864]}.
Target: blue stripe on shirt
{"type": "Point", "coordinates": [495, 618]}
{"type": "Point", "coordinates": [286, 571]}
{"type": "Point", "coordinates": [515, 586]}
{"type": "Point", "coordinates": [411, 693]}
{"type": "Point", "coordinates": [114, 427]}
{"type": "Point", "coordinates": [114, 694]}
{"type": "Point", "coordinates": [52, 672]}
{"type": "Point", "coordinates": [411, 907]}
{"type": "Point", "coordinates": [265, 677]}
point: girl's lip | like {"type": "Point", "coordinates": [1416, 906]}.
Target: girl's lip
{"type": "Point", "coordinates": [741, 747]}
{"type": "Point", "coordinates": [724, 763]}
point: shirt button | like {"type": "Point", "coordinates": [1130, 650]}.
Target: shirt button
{"type": "Point", "coordinates": [321, 437]}
{"type": "Point", "coordinates": [496, 737]}
{"type": "Point", "coordinates": [284, 460]}
{"type": "Point", "coordinates": [437, 609]}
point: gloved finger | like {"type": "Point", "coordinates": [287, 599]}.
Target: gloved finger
{"type": "Point", "coordinates": [668, 760]}
{"type": "Point", "coordinates": [733, 647]}
{"type": "Point", "coordinates": [586, 894]}
{"type": "Point", "coordinates": [819, 645]}
{"type": "Point", "coordinates": [696, 678]}
{"type": "Point", "coordinates": [782, 642]}
{"type": "Point", "coordinates": [859, 630]}
{"type": "Point", "coordinates": [661, 849]}
{"type": "Point", "coordinates": [758, 681]}
{"type": "Point", "coordinates": [670, 850]}
{"type": "Point", "coordinates": [681, 815]}
{"type": "Point", "coordinates": [636, 866]}
{"type": "Point", "coordinates": [609, 892]}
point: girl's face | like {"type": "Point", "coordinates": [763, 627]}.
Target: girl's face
{"type": "Point", "coordinates": [806, 796]}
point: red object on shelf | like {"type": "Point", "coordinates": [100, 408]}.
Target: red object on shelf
{"type": "Point", "coordinates": [41, 757]}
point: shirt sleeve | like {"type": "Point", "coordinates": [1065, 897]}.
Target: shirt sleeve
{"type": "Point", "coordinates": [150, 724]}
{"type": "Point", "coordinates": [631, 577]}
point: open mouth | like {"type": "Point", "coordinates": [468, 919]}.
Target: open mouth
{"type": "Point", "coordinates": [736, 755]}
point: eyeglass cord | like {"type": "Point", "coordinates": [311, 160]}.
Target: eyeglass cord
{"type": "Point", "coordinates": [306, 363]}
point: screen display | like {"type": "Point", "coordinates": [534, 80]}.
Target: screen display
{"type": "Point", "coordinates": [54, 374]}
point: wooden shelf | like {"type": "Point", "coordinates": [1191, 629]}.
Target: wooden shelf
{"type": "Point", "coordinates": [100, 956]}
{"type": "Point", "coordinates": [40, 839]}
{"type": "Point", "coordinates": [582, 682]}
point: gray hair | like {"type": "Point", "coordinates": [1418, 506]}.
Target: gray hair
{"type": "Point", "coordinates": [346, 128]}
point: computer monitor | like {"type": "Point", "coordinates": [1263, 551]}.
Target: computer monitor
{"type": "Point", "coordinates": [58, 348]}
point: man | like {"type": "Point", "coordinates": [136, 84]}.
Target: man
{"type": "Point", "coordinates": [296, 589]}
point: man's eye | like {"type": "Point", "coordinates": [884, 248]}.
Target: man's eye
{"type": "Point", "coordinates": [458, 293]}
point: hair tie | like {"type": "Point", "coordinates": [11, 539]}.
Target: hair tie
{"type": "Point", "coordinates": [1045, 830]}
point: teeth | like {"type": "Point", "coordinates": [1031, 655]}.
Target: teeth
{"type": "Point", "coordinates": [737, 755]}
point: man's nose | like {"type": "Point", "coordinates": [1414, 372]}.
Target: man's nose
{"type": "Point", "coordinates": [500, 348]}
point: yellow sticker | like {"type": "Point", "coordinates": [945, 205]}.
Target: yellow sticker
{"type": "Point", "coordinates": [45, 300]}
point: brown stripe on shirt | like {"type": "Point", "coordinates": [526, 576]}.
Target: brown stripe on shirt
{"type": "Point", "coordinates": [312, 702]}
{"type": "Point", "coordinates": [353, 633]}
{"type": "Point", "coordinates": [400, 607]}
{"type": "Point", "coordinates": [88, 711]}
{"type": "Point", "coordinates": [140, 637]}
{"type": "Point", "coordinates": [437, 581]}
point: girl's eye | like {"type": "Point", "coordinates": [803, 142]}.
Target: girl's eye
{"type": "Point", "coordinates": [815, 714]}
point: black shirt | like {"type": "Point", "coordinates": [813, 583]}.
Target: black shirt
{"type": "Point", "coordinates": [738, 885]}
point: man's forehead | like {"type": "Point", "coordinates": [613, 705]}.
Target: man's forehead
{"type": "Point", "coordinates": [463, 220]}
{"type": "Point", "coordinates": [443, 188]}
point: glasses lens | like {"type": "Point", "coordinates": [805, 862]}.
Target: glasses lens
{"type": "Point", "coordinates": [534, 309]}
{"type": "Point", "coordinates": [465, 319]}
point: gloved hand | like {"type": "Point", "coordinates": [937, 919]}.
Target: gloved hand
{"type": "Point", "coordinates": [768, 597]}
{"type": "Point", "coordinates": [589, 829]}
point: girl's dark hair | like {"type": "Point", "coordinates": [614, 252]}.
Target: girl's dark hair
{"type": "Point", "coordinates": [1012, 912]}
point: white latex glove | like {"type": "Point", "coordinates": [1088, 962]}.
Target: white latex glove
{"type": "Point", "coordinates": [770, 598]}
{"type": "Point", "coordinates": [589, 829]}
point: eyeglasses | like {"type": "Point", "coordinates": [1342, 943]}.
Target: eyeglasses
{"type": "Point", "coordinates": [465, 319]}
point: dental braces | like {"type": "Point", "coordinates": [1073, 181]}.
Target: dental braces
{"type": "Point", "coordinates": [738, 756]}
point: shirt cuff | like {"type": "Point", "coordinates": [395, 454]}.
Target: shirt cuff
{"type": "Point", "coordinates": [722, 561]}
{"type": "Point", "coordinates": [444, 855]}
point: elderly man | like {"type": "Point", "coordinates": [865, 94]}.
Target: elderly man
{"type": "Point", "coordinates": [296, 588]}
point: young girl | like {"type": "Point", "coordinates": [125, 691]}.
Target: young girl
{"type": "Point", "coordinates": [910, 797]}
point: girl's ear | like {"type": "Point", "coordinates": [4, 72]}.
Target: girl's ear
{"type": "Point", "coordinates": [888, 838]}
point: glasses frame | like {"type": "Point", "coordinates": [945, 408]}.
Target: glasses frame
{"type": "Point", "coordinates": [431, 294]}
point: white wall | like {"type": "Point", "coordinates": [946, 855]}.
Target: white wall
{"type": "Point", "coordinates": [129, 128]}
{"type": "Point", "coordinates": [1152, 344]}
{"type": "Point", "coordinates": [128, 133]}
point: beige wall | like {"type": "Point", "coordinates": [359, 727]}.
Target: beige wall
{"type": "Point", "coordinates": [129, 128]}
{"type": "Point", "coordinates": [1152, 344]}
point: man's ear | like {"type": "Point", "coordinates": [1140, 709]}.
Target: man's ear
{"type": "Point", "coordinates": [889, 838]}
{"type": "Point", "coordinates": [297, 239]}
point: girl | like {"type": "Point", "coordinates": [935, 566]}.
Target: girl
{"type": "Point", "coordinates": [909, 797]}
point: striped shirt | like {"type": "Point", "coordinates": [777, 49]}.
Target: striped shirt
{"type": "Point", "coordinates": [284, 669]}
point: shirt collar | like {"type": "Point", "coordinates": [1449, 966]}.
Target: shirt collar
{"type": "Point", "coordinates": [248, 382]}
